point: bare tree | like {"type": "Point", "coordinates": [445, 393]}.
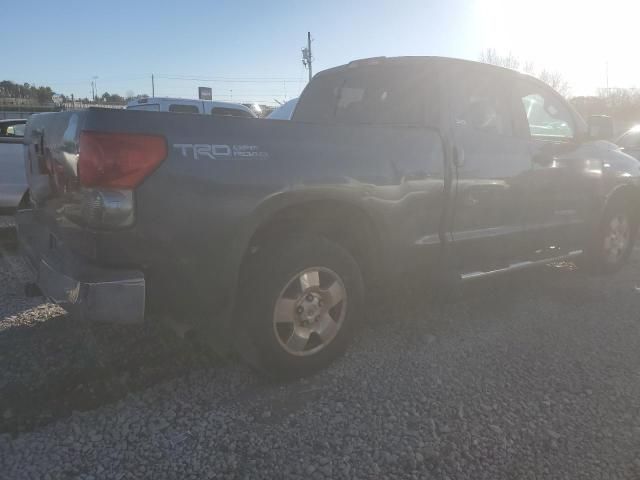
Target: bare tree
{"type": "Point", "coordinates": [556, 81]}
{"type": "Point", "coordinates": [529, 67]}
{"type": "Point", "coordinates": [491, 56]}
{"type": "Point", "coordinates": [552, 78]}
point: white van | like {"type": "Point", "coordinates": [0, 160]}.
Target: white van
{"type": "Point", "coordinates": [183, 105]}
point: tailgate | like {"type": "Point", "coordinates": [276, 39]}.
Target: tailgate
{"type": "Point", "coordinates": [51, 142]}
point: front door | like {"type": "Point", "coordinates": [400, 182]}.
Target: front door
{"type": "Point", "coordinates": [558, 185]}
{"type": "Point", "coordinates": [488, 216]}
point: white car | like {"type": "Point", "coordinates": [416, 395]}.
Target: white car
{"type": "Point", "coordinates": [284, 111]}
{"type": "Point", "coordinates": [13, 180]}
{"type": "Point", "coordinates": [184, 105]}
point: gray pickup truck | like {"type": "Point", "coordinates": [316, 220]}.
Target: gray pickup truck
{"type": "Point", "coordinates": [268, 236]}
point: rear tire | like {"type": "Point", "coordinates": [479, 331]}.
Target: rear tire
{"type": "Point", "coordinates": [299, 302]}
{"type": "Point", "coordinates": [612, 243]}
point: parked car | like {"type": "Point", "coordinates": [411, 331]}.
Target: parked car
{"type": "Point", "coordinates": [13, 181]}
{"type": "Point", "coordinates": [269, 236]}
{"type": "Point", "coordinates": [630, 142]}
{"type": "Point", "coordinates": [183, 105]}
{"type": "Point", "coordinates": [284, 111]}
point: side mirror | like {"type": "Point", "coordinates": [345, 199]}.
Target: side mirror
{"type": "Point", "coordinates": [600, 127]}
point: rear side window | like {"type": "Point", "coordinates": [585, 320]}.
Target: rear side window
{"type": "Point", "coordinates": [372, 94]}
{"type": "Point", "coordinates": [481, 103]}
{"type": "Point", "coordinates": [231, 112]}
{"type": "Point", "coordinates": [180, 108]}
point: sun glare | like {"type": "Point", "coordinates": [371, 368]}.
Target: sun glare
{"type": "Point", "coordinates": [589, 44]}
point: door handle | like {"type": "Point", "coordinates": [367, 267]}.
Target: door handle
{"type": "Point", "coordinates": [413, 176]}
{"type": "Point", "coordinates": [542, 159]}
{"type": "Point", "coordinates": [458, 156]}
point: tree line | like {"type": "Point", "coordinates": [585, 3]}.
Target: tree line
{"type": "Point", "coordinates": [44, 95]}
{"type": "Point", "coordinates": [622, 104]}
{"type": "Point", "coordinates": [552, 78]}
{"type": "Point", "coordinates": [41, 95]}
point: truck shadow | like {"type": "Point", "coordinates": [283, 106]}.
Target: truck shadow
{"type": "Point", "coordinates": [50, 368]}
{"type": "Point", "coordinates": [501, 297]}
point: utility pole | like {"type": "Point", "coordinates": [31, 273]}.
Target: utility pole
{"type": "Point", "coordinates": [94, 88]}
{"type": "Point", "coordinates": [153, 87]}
{"type": "Point", "coordinates": [307, 59]}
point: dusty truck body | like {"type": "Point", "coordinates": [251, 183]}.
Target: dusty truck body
{"type": "Point", "coordinates": [268, 234]}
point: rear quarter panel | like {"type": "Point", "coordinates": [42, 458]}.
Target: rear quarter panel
{"type": "Point", "coordinates": [201, 211]}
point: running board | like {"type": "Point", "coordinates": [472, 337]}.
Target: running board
{"type": "Point", "coordinates": [521, 265]}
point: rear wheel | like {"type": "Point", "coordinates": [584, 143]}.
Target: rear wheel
{"type": "Point", "coordinates": [302, 300]}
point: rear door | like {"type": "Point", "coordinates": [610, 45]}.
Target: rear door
{"type": "Point", "coordinates": [491, 163]}
{"type": "Point", "coordinates": [401, 101]}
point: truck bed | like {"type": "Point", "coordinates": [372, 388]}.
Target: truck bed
{"type": "Point", "coordinates": [222, 177]}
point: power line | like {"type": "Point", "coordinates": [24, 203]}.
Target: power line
{"type": "Point", "coordinates": [307, 58]}
{"type": "Point", "coordinates": [229, 80]}
{"type": "Point", "coordinates": [227, 77]}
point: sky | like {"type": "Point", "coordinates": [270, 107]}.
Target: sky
{"type": "Point", "coordinates": [248, 50]}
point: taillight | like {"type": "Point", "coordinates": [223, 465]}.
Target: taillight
{"type": "Point", "coordinates": [118, 160]}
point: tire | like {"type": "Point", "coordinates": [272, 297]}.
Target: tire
{"type": "Point", "coordinates": [290, 295]}
{"type": "Point", "coordinates": [613, 241]}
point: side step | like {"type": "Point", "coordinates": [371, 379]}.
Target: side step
{"type": "Point", "coordinates": [520, 266]}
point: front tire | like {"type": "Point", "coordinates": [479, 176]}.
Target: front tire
{"type": "Point", "coordinates": [300, 299]}
{"type": "Point", "coordinates": [613, 241]}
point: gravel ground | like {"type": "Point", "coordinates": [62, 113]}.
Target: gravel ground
{"type": "Point", "coordinates": [534, 376]}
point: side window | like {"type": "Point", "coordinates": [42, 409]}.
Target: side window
{"type": "Point", "coordinates": [179, 108]}
{"type": "Point", "coordinates": [482, 105]}
{"type": "Point", "coordinates": [386, 96]}
{"type": "Point", "coordinates": [18, 129]}
{"type": "Point", "coordinates": [546, 114]}
{"type": "Point", "coordinates": [230, 112]}
{"type": "Point", "coordinates": [147, 107]}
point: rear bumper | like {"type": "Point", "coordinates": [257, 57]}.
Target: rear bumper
{"type": "Point", "coordinates": [92, 293]}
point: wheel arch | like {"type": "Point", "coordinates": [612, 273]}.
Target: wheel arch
{"type": "Point", "coordinates": [339, 219]}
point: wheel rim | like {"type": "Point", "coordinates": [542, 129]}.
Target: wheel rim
{"type": "Point", "coordinates": [310, 311]}
{"type": "Point", "coordinates": [617, 238]}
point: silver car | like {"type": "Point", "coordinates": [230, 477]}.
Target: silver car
{"type": "Point", "coordinates": [13, 180]}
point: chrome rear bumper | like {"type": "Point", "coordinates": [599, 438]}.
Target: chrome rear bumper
{"type": "Point", "coordinates": [90, 292]}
